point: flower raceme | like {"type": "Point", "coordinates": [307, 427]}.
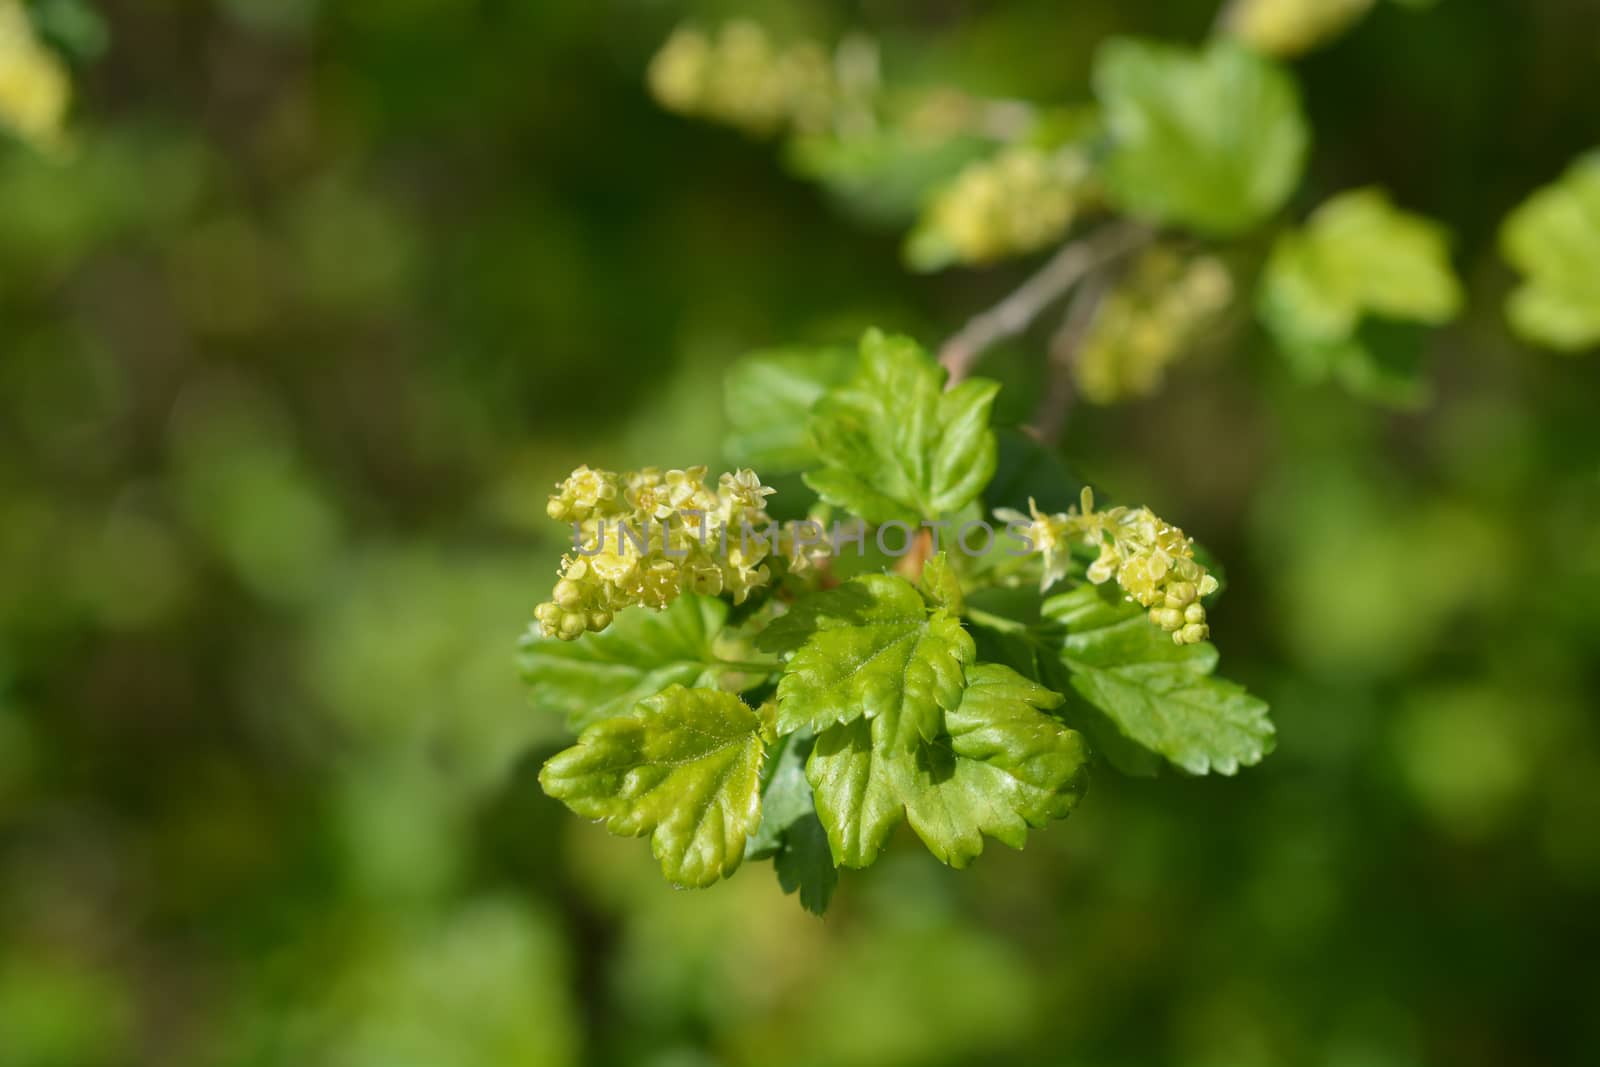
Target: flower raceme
{"type": "Point", "coordinates": [1152, 561]}
{"type": "Point", "coordinates": [645, 537]}
{"type": "Point", "coordinates": [626, 551]}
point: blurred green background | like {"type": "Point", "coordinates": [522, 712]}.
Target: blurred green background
{"type": "Point", "coordinates": [293, 342]}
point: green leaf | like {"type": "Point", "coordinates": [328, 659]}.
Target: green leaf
{"type": "Point", "coordinates": [768, 399]}
{"type": "Point", "coordinates": [872, 648]}
{"type": "Point", "coordinates": [785, 795]}
{"type": "Point", "coordinates": [805, 864]}
{"type": "Point", "coordinates": [1002, 766]}
{"type": "Point", "coordinates": [883, 177]}
{"type": "Point", "coordinates": [1554, 239]}
{"type": "Point", "coordinates": [1213, 140]}
{"type": "Point", "coordinates": [790, 833]}
{"type": "Point", "coordinates": [1008, 767]}
{"type": "Point", "coordinates": [894, 444]}
{"type": "Point", "coordinates": [603, 675]}
{"type": "Point", "coordinates": [1343, 295]}
{"type": "Point", "coordinates": [1158, 695]}
{"type": "Point", "coordinates": [684, 768]}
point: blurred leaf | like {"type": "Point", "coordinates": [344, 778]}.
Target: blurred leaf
{"type": "Point", "coordinates": [1554, 239]}
{"type": "Point", "coordinates": [603, 675]}
{"type": "Point", "coordinates": [884, 177]}
{"type": "Point", "coordinates": [768, 398]}
{"type": "Point", "coordinates": [894, 444]}
{"type": "Point", "coordinates": [1337, 295]}
{"type": "Point", "coordinates": [1213, 140]}
{"type": "Point", "coordinates": [1159, 694]}
{"type": "Point", "coordinates": [684, 768]}
{"type": "Point", "coordinates": [872, 648]}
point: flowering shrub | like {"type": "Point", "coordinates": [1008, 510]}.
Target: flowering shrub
{"type": "Point", "coordinates": [747, 690]}
{"type": "Point", "coordinates": [745, 694]}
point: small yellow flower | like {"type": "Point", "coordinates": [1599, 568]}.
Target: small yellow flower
{"type": "Point", "coordinates": [687, 490]}
{"type": "Point", "coordinates": [1021, 200]}
{"type": "Point", "coordinates": [585, 494]}
{"type": "Point", "coordinates": [638, 542]}
{"type": "Point", "coordinates": [1152, 561]}
{"type": "Point", "coordinates": [612, 565]}
{"type": "Point", "coordinates": [648, 496]}
{"type": "Point", "coordinates": [1049, 535]}
{"type": "Point", "coordinates": [740, 496]}
{"type": "Point", "coordinates": [741, 77]}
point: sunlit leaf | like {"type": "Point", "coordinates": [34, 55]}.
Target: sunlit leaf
{"type": "Point", "coordinates": [894, 444]}
{"type": "Point", "coordinates": [873, 648]}
{"type": "Point", "coordinates": [684, 768]}
{"type": "Point", "coordinates": [1159, 695]}
{"type": "Point", "coordinates": [1002, 766]}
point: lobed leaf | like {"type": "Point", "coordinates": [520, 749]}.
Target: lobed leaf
{"type": "Point", "coordinates": [683, 768]}
{"type": "Point", "coordinates": [768, 398]}
{"type": "Point", "coordinates": [1212, 140]}
{"type": "Point", "coordinates": [1157, 694]}
{"type": "Point", "coordinates": [1008, 767]}
{"type": "Point", "coordinates": [1003, 766]}
{"type": "Point", "coordinates": [1553, 238]}
{"type": "Point", "coordinates": [805, 864]}
{"type": "Point", "coordinates": [790, 833]}
{"type": "Point", "coordinates": [872, 647]}
{"type": "Point", "coordinates": [1337, 293]}
{"type": "Point", "coordinates": [894, 445]}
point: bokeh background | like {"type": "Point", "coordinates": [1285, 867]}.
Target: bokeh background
{"type": "Point", "coordinates": [325, 295]}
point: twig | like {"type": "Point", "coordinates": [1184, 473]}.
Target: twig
{"type": "Point", "coordinates": [1050, 418]}
{"type": "Point", "coordinates": [1016, 312]}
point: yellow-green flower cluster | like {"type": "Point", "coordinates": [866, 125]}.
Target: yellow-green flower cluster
{"type": "Point", "coordinates": [34, 87]}
{"type": "Point", "coordinates": [1148, 322]}
{"type": "Point", "coordinates": [741, 78]}
{"type": "Point", "coordinates": [1152, 561]}
{"type": "Point", "coordinates": [1290, 27]}
{"type": "Point", "coordinates": [645, 537]}
{"type": "Point", "coordinates": [1017, 202]}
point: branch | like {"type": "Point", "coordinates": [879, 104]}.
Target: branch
{"type": "Point", "coordinates": [1050, 419]}
{"type": "Point", "coordinates": [1016, 312]}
